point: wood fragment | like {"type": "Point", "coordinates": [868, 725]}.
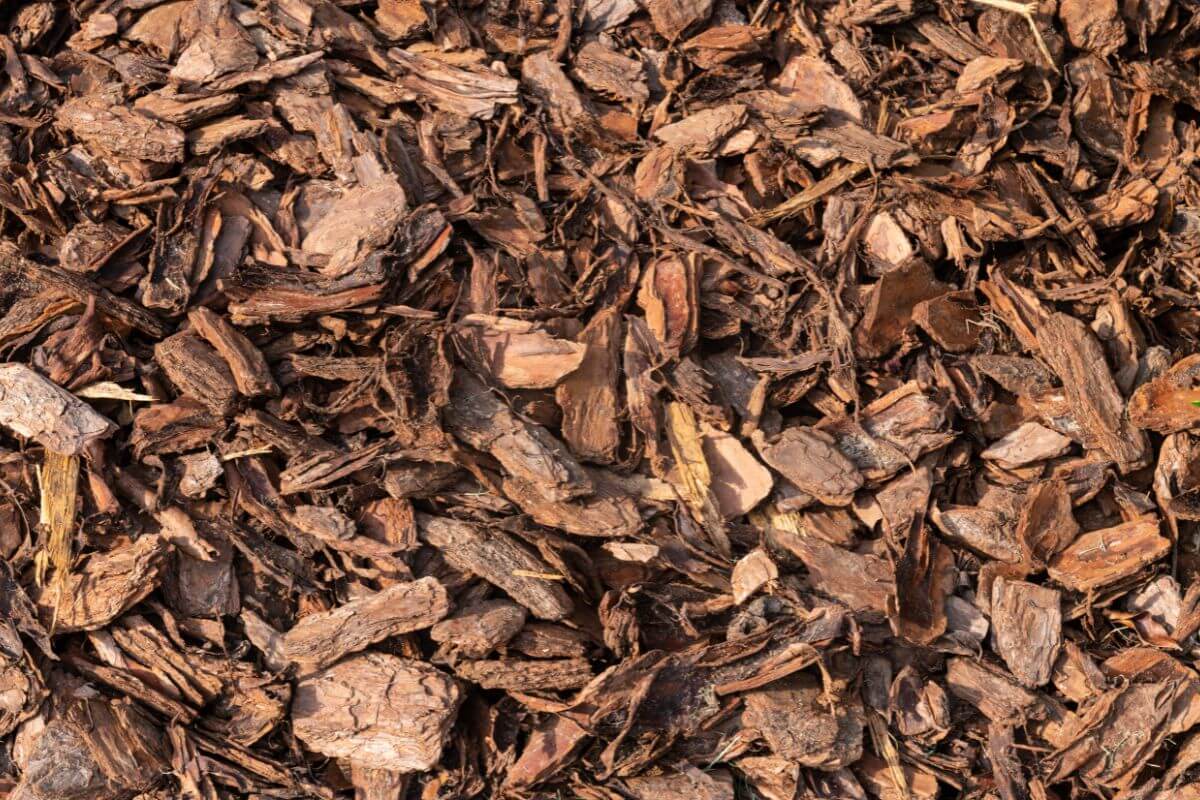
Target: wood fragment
{"type": "Point", "coordinates": [496, 558]}
{"type": "Point", "coordinates": [319, 640]}
{"type": "Point", "coordinates": [377, 710]}
{"type": "Point", "coordinates": [40, 410]}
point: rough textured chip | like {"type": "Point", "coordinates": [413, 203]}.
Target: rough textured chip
{"type": "Point", "coordinates": [1027, 626]}
{"type": "Point", "coordinates": [40, 410]}
{"type": "Point", "coordinates": [377, 710]}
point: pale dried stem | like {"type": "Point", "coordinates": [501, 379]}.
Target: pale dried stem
{"type": "Point", "coordinates": [1025, 10]}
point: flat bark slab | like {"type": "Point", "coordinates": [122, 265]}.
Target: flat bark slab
{"type": "Point", "coordinates": [377, 710]}
{"type": "Point", "coordinates": [321, 639]}
{"type": "Point", "coordinates": [1027, 624]}
{"type": "Point", "coordinates": [789, 716]}
{"type": "Point", "coordinates": [810, 460]}
{"type": "Point", "coordinates": [1098, 558]}
{"type": "Point", "coordinates": [1076, 357]}
{"type": "Point", "coordinates": [104, 587]}
{"type": "Point", "coordinates": [40, 410]}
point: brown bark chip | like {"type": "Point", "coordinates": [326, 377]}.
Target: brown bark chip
{"type": "Point", "coordinates": [377, 710]}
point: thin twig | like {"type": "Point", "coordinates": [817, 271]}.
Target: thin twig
{"type": "Point", "coordinates": [1025, 10]}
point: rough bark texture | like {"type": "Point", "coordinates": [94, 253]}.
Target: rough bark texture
{"type": "Point", "coordinates": [38, 409]}
{"type": "Point", "coordinates": [603, 399]}
{"type": "Point", "coordinates": [377, 710]}
{"type": "Point", "coordinates": [323, 638]}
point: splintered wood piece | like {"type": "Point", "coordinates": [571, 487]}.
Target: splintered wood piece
{"type": "Point", "coordinates": [798, 725]}
{"type": "Point", "coordinates": [1072, 351]}
{"type": "Point", "coordinates": [360, 220]}
{"type": "Point", "coordinates": [104, 586]}
{"type": "Point", "coordinates": [40, 410]}
{"type": "Point", "coordinates": [58, 481]}
{"type": "Point", "coordinates": [213, 136]}
{"type": "Point", "coordinates": [809, 459]}
{"type": "Point", "coordinates": [883, 239]}
{"type": "Point", "coordinates": [321, 639]}
{"type": "Point", "coordinates": [1102, 557]}
{"type": "Point", "coordinates": [377, 710]}
{"type": "Point", "coordinates": [494, 556]}
{"type": "Point", "coordinates": [186, 113]}
{"type": "Point", "coordinates": [691, 475]}
{"type": "Point", "coordinates": [1027, 627]}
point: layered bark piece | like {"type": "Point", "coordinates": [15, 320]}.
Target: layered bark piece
{"type": "Point", "coordinates": [321, 639]}
{"type": "Point", "coordinates": [38, 409]}
{"type": "Point", "coordinates": [809, 459]}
